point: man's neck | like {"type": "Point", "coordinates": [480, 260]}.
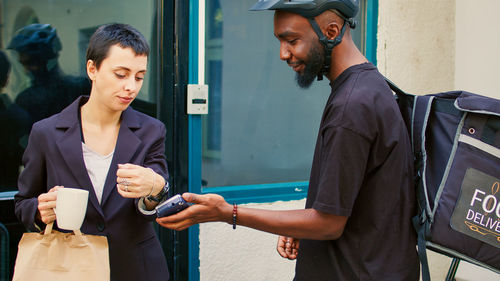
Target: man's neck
{"type": "Point", "coordinates": [344, 56]}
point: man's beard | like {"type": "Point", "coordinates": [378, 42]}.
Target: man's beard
{"type": "Point", "coordinates": [313, 66]}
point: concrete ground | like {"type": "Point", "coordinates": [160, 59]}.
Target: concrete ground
{"type": "Point", "coordinates": [439, 265]}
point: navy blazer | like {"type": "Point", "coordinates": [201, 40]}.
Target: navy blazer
{"type": "Point", "coordinates": [54, 157]}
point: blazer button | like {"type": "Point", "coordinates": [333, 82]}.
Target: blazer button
{"type": "Point", "coordinates": [100, 226]}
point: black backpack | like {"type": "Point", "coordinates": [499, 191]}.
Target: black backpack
{"type": "Point", "coordinates": [456, 146]}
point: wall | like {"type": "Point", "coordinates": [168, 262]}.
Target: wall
{"type": "Point", "coordinates": [477, 46]}
{"type": "Point", "coordinates": [244, 254]}
{"type": "Point", "coordinates": [416, 44]}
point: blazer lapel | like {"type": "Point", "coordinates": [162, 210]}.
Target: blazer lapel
{"type": "Point", "coordinates": [126, 146]}
{"type": "Point", "coordinates": [70, 147]}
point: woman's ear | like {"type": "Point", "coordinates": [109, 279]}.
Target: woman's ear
{"type": "Point", "coordinates": [91, 69]}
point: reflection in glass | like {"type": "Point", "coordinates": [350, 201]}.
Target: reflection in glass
{"type": "Point", "coordinates": [40, 84]}
{"type": "Point", "coordinates": [37, 47]}
{"type": "Point", "coordinates": [14, 122]}
{"type": "Point", "coordinates": [213, 56]}
{"type": "Point", "coordinates": [44, 43]}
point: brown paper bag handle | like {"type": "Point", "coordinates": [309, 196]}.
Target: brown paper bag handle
{"type": "Point", "coordinates": [48, 230]}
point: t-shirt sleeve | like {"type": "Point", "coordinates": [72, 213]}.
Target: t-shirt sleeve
{"type": "Point", "coordinates": [343, 166]}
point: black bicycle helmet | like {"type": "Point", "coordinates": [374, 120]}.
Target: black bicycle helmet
{"type": "Point", "coordinates": [347, 9]}
{"type": "Point", "coordinates": [309, 8]}
{"type": "Point", "coordinates": [36, 39]}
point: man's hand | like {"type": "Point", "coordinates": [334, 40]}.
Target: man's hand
{"type": "Point", "coordinates": [288, 247]}
{"type": "Point", "coordinates": [206, 208]}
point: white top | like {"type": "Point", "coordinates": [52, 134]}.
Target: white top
{"type": "Point", "coordinates": [97, 167]}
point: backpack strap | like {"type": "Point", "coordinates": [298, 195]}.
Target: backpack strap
{"type": "Point", "coordinates": [420, 116]}
{"type": "Point", "coordinates": [421, 227]}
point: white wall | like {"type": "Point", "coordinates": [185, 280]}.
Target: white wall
{"type": "Point", "coordinates": [416, 44]}
{"type": "Point", "coordinates": [244, 254]}
{"type": "Point", "coordinates": [478, 47]}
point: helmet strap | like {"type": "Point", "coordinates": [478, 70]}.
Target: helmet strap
{"type": "Point", "coordinates": [328, 44]}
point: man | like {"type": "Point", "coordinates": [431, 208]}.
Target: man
{"type": "Point", "coordinates": [357, 220]}
{"type": "Point", "coordinates": [14, 122]}
{"type": "Point", "coordinates": [38, 46]}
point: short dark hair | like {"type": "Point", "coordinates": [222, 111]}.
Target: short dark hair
{"type": "Point", "coordinates": [4, 69]}
{"type": "Point", "coordinates": [112, 34]}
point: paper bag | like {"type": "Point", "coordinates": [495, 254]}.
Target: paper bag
{"type": "Point", "coordinates": [55, 256]}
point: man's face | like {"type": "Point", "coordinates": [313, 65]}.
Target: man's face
{"type": "Point", "coordinates": [299, 46]}
{"type": "Point", "coordinates": [31, 64]}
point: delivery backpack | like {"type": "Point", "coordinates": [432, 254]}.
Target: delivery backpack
{"type": "Point", "coordinates": [456, 146]}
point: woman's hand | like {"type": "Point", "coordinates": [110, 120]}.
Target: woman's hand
{"type": "Point", "coordinates": [134, 181]}
{"type": "Point", "coordinates": [288, 247]}
{"type": "Point", "coordinates": [46, 205]}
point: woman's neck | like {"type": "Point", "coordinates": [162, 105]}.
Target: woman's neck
{"type": "Point", "coordinates": [96, 114]}
{"type": "Point", "coordinates": [100, 126]}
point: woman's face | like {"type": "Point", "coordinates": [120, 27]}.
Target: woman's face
{"type": "Point", "coordinates": [119, 78]}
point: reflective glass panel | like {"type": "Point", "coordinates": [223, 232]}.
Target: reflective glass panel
{"type": "Point", "coordinates": [43, 70]}
{"type": "Point", "coordinates": [261, 128]}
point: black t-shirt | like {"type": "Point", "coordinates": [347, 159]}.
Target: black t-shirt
{"type": "Point", "coordinates": [362, 169]}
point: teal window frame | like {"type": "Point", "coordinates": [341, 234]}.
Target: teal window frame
{"type": "Point", "coordinates": [241, 194]}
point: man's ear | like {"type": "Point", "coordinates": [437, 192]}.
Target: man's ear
{"type": "Point", "coordinates": [91, 69]}
{"type": "Point", "coordinates": [332, 30]}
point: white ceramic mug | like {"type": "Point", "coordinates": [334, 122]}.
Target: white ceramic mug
{"type": "Point", "coordinates": [71, 206]}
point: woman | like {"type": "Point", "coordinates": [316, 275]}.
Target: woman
{"type": "Point", "coordinates": [100, 144]}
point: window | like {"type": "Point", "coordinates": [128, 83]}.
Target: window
{"type": "Point", "coordinates": [261, 128]}
{"type": "Point", "coordinates": [38, 86]}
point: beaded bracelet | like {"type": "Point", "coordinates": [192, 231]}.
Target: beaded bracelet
{"type": "Point", "coordinates": [235, 213]}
